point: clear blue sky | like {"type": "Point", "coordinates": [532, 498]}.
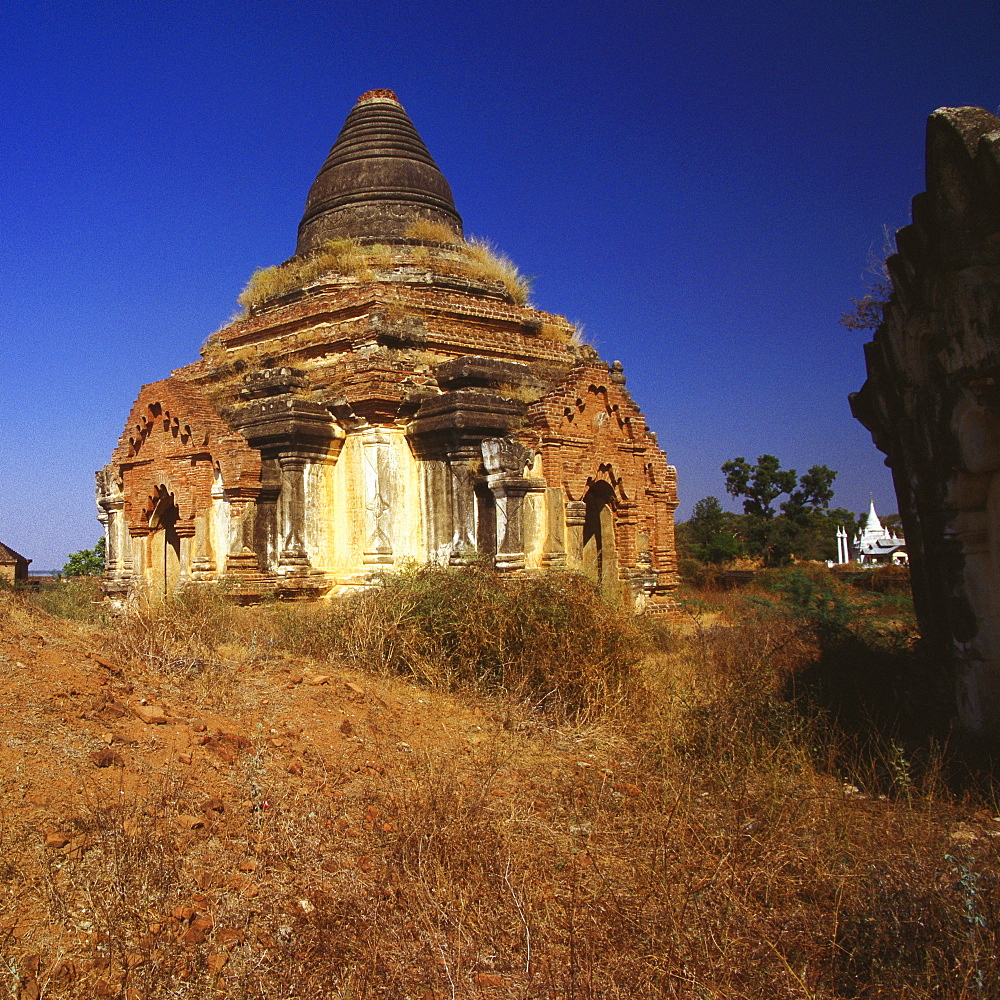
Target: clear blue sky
{"type": "Point", "coordinates": [699, 184]}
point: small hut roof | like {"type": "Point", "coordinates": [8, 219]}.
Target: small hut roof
{"type": "Point", "coordinates": [8, 555]}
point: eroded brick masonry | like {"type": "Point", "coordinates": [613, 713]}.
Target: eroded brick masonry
{"type": "Point", "coordinates": [402, 404]}
{"type": "Point", "coordinates": [932, 404]}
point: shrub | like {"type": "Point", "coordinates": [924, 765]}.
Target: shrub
{"type": "Point", "coordinates": [79, 599]}
{"type": "Point", "coordinates": [893, 580]}
{"type": "Point", "coordinates": [549, 639]}
{"type": "Point", "coordinates": [697, 574]}
{"type": "Point", "coordinates": [815, 596]}
{"type": "Point", "coordinates": [87, 562]}
{"type": "Point", "coordinates": [906, 928]}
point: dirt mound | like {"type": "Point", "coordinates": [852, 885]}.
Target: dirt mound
{"type": "Point", "coordinates": [221, 826]}
{"type": "Point", "coordinates": [184, 818]}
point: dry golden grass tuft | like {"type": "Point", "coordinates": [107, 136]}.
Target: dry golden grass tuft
{"type": "Point", "coordinates": [341, 256]}
{"type": "Point", "coordinates": [556, 334]}
{"type": "Point", "coordinates": [408, 817]}
{"type": "Point", "coordinates": [379, 256]}
{"type": "Point", "coordinates": [265, 283]}
{"type": "Point", "coordinates": [579, 337]}
{"type": "Point", "coordinates": [437, 232]}
{"type": "Point", "coordinates": [525, 393]}
{"type": "Point", "coordinates": [348, 258]}
{"type": "Point", "coordinates": [490, 263]}
{"type": "Point", "coordinates": [483, 260]}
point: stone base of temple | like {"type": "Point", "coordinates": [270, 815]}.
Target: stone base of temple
{"type": "Point", "coordinates": [303, 588]}
{"type": "Point", "coordinates": [116, 590]}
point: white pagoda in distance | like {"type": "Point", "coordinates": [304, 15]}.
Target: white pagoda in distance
{"type": "Point", "coordinates": [874, 545]}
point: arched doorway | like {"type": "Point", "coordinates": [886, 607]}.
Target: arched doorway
{"type": "Point", "coordinates": [600, 556]}
{"type": "Point", "coordinates": [163, 545]}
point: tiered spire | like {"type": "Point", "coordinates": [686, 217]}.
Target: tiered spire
{"type": "Point", "coordinates": [377, 181]}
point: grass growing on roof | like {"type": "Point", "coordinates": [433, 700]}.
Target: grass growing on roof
{"type": "Point", "coordinates": [348, 258]}
{"type": "Point", "coordinates": [482, 261]}
{"type": "Point", "coordinates": [340, 256]}
{"type": "Point", "coordinates": [436, 232]}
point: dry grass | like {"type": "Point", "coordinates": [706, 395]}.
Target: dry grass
{"type": "Point", "coordinates": [265, 283]}
{"type": "Point", "coordinates": [489, 263]}
{"type": "Point", "coordinates": [379, 257]}
{"type": "Point", "coordinates": [436, 232]}
{"type": "Point", "coordinates": [482, 259]}
{"type": "Point", "coordinates": [77, 598]}
{"type": "Point", "coordinates": [706, 834]}
{"type": "Point", "coordinates": [556, 334]}
{"type": "Point", "coordinates": [347, 258]}
{"type": "Point", "coordinates": [343, 256]}
{"type": "Point", "coordinates": [197, 644]}
{"type": "Point", "coordinates": [550, 640]}
{"type": "Point", "coordinates": [513, 390]}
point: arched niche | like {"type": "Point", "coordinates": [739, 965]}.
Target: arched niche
{"type": "Point", "coordinates": [163, 544]}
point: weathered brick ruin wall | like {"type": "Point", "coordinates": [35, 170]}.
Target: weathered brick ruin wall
{"type": "Point", "coordinates": [592, 431]}
{"type": "Point", "coordinates": [368, 355]}
{"type": "Point", "coordinates": [401, 407]}
{"type": "Point", "coordinates": [175, 447]}
{"type": "Point", "coordinates": [932, 403]}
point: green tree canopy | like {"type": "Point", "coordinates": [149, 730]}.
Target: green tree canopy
{"type": "Point", "coordinates": [799, 526]}
{"type": "Point", "coordinates": [759, 485]}
{"type": "Point", "coordinates": [713, 532]}
{"type": "Point", "coordinates": [87, 562]}
{"type": "Point", "coordinates": [813, 494]}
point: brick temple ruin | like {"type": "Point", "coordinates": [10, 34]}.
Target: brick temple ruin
{"type": "Point", "coordinates": [932, 403]}
{"type": "Point", "coordinates": [389, 396]}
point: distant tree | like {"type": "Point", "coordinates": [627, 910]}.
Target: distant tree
{"type": "Point", "coordinates": [841, 517]}
{"type": "Point", "coordinates": [712, 537]}
{"type": "Point", "coordinates": [893, 522]}
{"type": "Point", "coordinates": [814, 492]}
{"type": "Point", "coordinates": [759, 485]}
{"type": "Point", "coordinates": [87, 562]}
{"type": "Point", "coordinates": [800, 525]}
{"type": "Point", "coordinates": [814, 533]}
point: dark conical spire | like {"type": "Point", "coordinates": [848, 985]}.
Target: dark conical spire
{"type": "Point", "coordinates": [377, 180]}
